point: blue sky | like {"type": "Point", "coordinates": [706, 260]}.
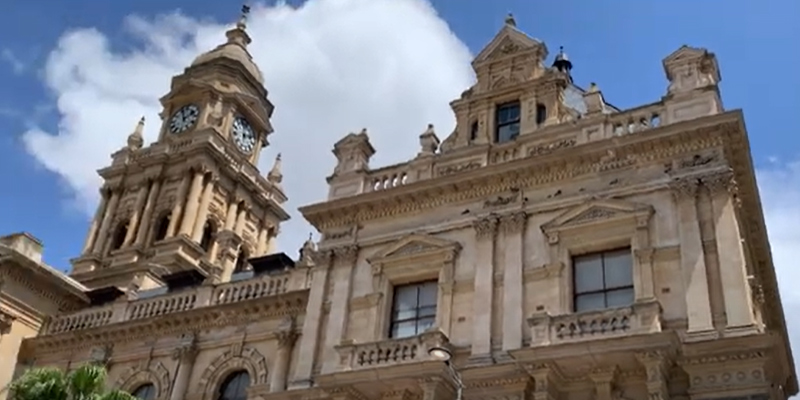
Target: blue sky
{"type": "Point", "coordinates": [618, 44]}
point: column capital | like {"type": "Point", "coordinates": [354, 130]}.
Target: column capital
{"type": "Point", "coordinates": [6, 320]}
{"type": "Point", "coordinates": [485, 227]}
{"type": "Point", "coordinates": [514, 222]}
{"type": "Point", "coordinates": [347, 254]}
{"type": "Point", "coordinates": [186, 350]}
{"type": "Point", "coordinates": [720, 181]}
{"type": "Point", "coordinates": [685, 187]}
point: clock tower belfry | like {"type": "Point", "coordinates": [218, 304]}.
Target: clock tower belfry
{"type": "Point", "coordinates": [192, 205]}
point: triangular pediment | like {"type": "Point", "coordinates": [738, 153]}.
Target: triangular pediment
{"type": "Point", "coordinates": [509, 40]}
{"type": "Point", "coordinates": [594, 211]}
{"type": "Point", "coordinates": [187, 88]}
{"type": "Point", "coordinates": [414, 244]}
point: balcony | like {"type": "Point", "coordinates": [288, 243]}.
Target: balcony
{"type": "Point", "coordinates": [205, 296]}
{"type": "Point", "coordinates": [638, 319]}
{"type": "Point", "coordinates": [390, 352]}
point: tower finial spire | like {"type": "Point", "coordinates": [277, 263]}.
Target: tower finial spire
{"type": "Point", "coordinates": [510, 20]}
{"type": "Point", "coordinates": [238, 34]}
{"type": "Point", "coordinates": [275, 175]}
{"type": "Point", "coordinates": [136, 138]}
{"type": "Point", "coordinates": [242, 24]}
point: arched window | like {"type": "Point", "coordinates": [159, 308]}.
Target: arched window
{"type": "Point", "coordinates": [541, 113]}
{"type": "Point", "coordinates": [209, 231]}
{"type": "Point", "coordinates": [241, 261]}
{"type": "Point", "coordinates": [145, 392]}
{"type": "Point", "coordinates": [119, 235]}
{"type": "Point", "coordinates": [162, 225]}
{"type": "Point", "coordinates": [234, 387]}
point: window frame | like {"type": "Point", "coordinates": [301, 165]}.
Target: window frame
{"type": "Point", "coordinates": [411, 259]}
{"type": "Point", "coordinates": [418, 317]}
{"type": "Point", "coordinates": [498, 125]}
{"type": "Point", "coordinates": [605, 289]}
{"type": "Point", "coordinates": [228, 380]}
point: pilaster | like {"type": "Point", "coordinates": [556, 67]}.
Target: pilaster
{"type": "Point", "coordinates": [656, 364]}
{"type": "Point", "coordinates": [108, 216]}
{"type": "Point", "coordinates": [435, 388]}
{"type": "Point", "coordinates": [482, 300]}
{"type": "Point", "coordinates": [693, 265]}
{"type": "Point", "coordinates": [286, 337]}
{"type": "Point", "coordinates": [344, 259]}
{"type": "Point", "coordinates": [192, 202]}
{"type": "Point", "coordinates": [185, 353]}
{"type": "Point", "coordinates": [513, 228]}
{"type": "Point", "coordinates": [730, 252]}
{"type": "Point", "coordinates": [604, 379]}
{"type": "Point", "coordinates": [547, 381]}
{"type": "Point", "coordinates": [147, 215]}
{"type": "Point", "coordinates": [202, 212]}
{"type": "Point", "coordinates": [177, 208]}
{"type": "Point", "coordinates": [228, 242]}
{"type": "Point", "coordinates": [95, 225]}
{"type": "Point", "coordinates": [136, 216]}
{"type": "Point", "coordinates": [319, 263]}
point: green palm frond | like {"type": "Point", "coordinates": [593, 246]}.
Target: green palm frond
{"type": "Point", "coordinates": [117, 395]}
{"type": "Point", "coordinates": [85, 383]}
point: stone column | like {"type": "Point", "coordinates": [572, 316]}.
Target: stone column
{"type": "Point", "coordinates": [545, 379]}
{"type": "Point", "coordinates": [730, 251]}
{"type": "Point", "coordinates": [344, 262]}
{"type": "Point", "coordinates": [177, 209]}
{"type": "Point", "coordinates": [280, 369]}
{"type": "Point", "coordinates": [482, 298]}
{"type": "Point", "coordinates": [102, 236]}
{"type": "Point", "coordinates": [261, 243]}
{"type": "Point", "coordinates": [229, 243]}
{"type": "Point", "coordinates": [95, 225]}
{"type": "Point", "coordinates": [192, 201]}
{"type": "Point", "coordinates": [656, 365]}
{"type": "Point", "coordinates": [202, 213]}
{"type": "Point", "coordinates": [147, 215]}
{"type": "Point", "coordinates": [604, 380]}
{"type": "Point", "coordinates": [513, 227]}
{"type": "Point", "coordinates": [693, 265]}
{"type": "Point", "coordinates": [185, 354]}
{"type": "Point", "coordinates": [241, 219]}
{"type": "Point", "coordinates": [312, 321]}
{"type": "Point", "coordinates": [272, 242]}
{"type": "Point", "coordinates": [230, 216]}
{"type": "Point", "coordinates": [138, 209]}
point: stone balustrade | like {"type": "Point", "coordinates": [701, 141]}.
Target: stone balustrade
{"type": "Point", "coordinates": [390, 352]}
{"type": "Point", "coordinates": [387, 178]}
{"type": "Point", "coordinates": [177, 302]}
{"type": "Point", "coordinates": [638, 319]}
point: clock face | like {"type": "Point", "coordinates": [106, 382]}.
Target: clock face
{"type": "Point", "coordinates": [184, 118]}
{"type": "Point", "coordinates": [243, 135]}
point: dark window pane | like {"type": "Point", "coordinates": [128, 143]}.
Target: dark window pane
{"type": "Point", "coordinates": [618, 269]}
{"type": "Point", "coordinates": [619, 297]}
{"type": "Point", "coordinates": [403, 315]}
{"type": "Point", "coordinates": [145, 392]}
{"type": "Point", "coordinates": [405, 298]}
{"type": "Point", "coordinates": [506, 133]}
{"type": "Point", "coordinates": [427, 294]}
{"type": "Point", "coordinates": [404, 329]}
{"type": "Point", "coordinates": [427, 311]}
{"type": "Point", "coordinates": [588, 302]}
{"type": "Point", "coordinates": [235, 386]}
{"type": "Point", "coordinates": [588, 274]}
{"type": "Point", "coordinates": [424, 324]}
{"type": "Point", "coordinates": [541, 114]}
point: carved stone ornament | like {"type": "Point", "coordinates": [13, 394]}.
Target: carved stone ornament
{"type": "Point", "coordinates": [485, 227]}
{"type": "Point", "coordinates": [346, 254]}
{"type": "Point", "coordinates": [101, 355]}
{"type": "Point", "coordinates": [186, 349]}
{"type": "Point", "coordinates": [720, 181]}
{"type": "Point", "coordinates": [514, 222]}
{"type": "Point", "coordinates": [6, 321]}
{"type": "Point", "coordinates": [500, 201]}
{"type": "Point", "coordinates": [237, 358]}
{"type": "Point", "coordinates": [143, 373]}
{"type": "Point", "coordinates": [683, 188]}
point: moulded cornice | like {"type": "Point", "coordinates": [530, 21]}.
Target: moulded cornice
{"type": "Point", "coordinates": [597, 210]}
{"type": "Point", "coordinates": [414, 246]}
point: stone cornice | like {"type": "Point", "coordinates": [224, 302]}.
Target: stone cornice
{"type": "Point", "coordinates": [197, 319]}
{"type": "Point", "coordinates": [38, 279]}
{"type": "Point", "coordinates": [648, 147]}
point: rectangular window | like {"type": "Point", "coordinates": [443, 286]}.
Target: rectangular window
{"type": "Point", "coordinates": [413, 309]}
{"type": "Point", "coordinates": [507, 122]}
{"type": "Point", "coordinates": [603, 280]}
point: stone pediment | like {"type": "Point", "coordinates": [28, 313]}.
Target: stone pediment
{"type": "Point", "coordinates": [598, 211]}
{"type": "Point", "coordinates": [508, 41]}
{"type": "Point", "coordinates": [684, 53]}
{"type": "Point", "coordinates": [414, 245]}
{"type": "Point", "coordinates": [189, 87]}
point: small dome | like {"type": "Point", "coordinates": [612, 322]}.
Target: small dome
{"type": "Point", "coordinates": [235, 49]}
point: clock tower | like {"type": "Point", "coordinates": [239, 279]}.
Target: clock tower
{"type": "Point", "coordinates": [192, 205]}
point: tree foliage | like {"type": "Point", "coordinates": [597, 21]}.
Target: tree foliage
{"type": "Point", "coordinates": [88, 382]}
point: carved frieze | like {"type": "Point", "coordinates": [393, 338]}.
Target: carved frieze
{"type": "Point", "coordinates": [502, 200]}
{"type": "Point", "coordinates": [547, 148]}
{"type": "Point", "coordinates": [453, 169]}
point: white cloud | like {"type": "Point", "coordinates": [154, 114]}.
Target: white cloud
{"type": "Point", "coordinates": [331, 66]}
{"type": "Point", "coordinates": [779, 184]}
{"type": "Point", "coordinates": [17, 66]}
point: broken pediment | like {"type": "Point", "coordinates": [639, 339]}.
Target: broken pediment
{"type": "Point", "coordinates": [509, 41]}
{"type": "Point", "coordinates": [595, 211]}
{"type": "Point", "coordinates": [415, 245]}
{"type": "Point", "coordinates": [700, 59]}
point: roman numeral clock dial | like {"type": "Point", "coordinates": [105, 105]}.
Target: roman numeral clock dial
{"type": "Point", "coordinates": [243, 136]}
{"type": "Point", "coordinates": [183, 119]}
